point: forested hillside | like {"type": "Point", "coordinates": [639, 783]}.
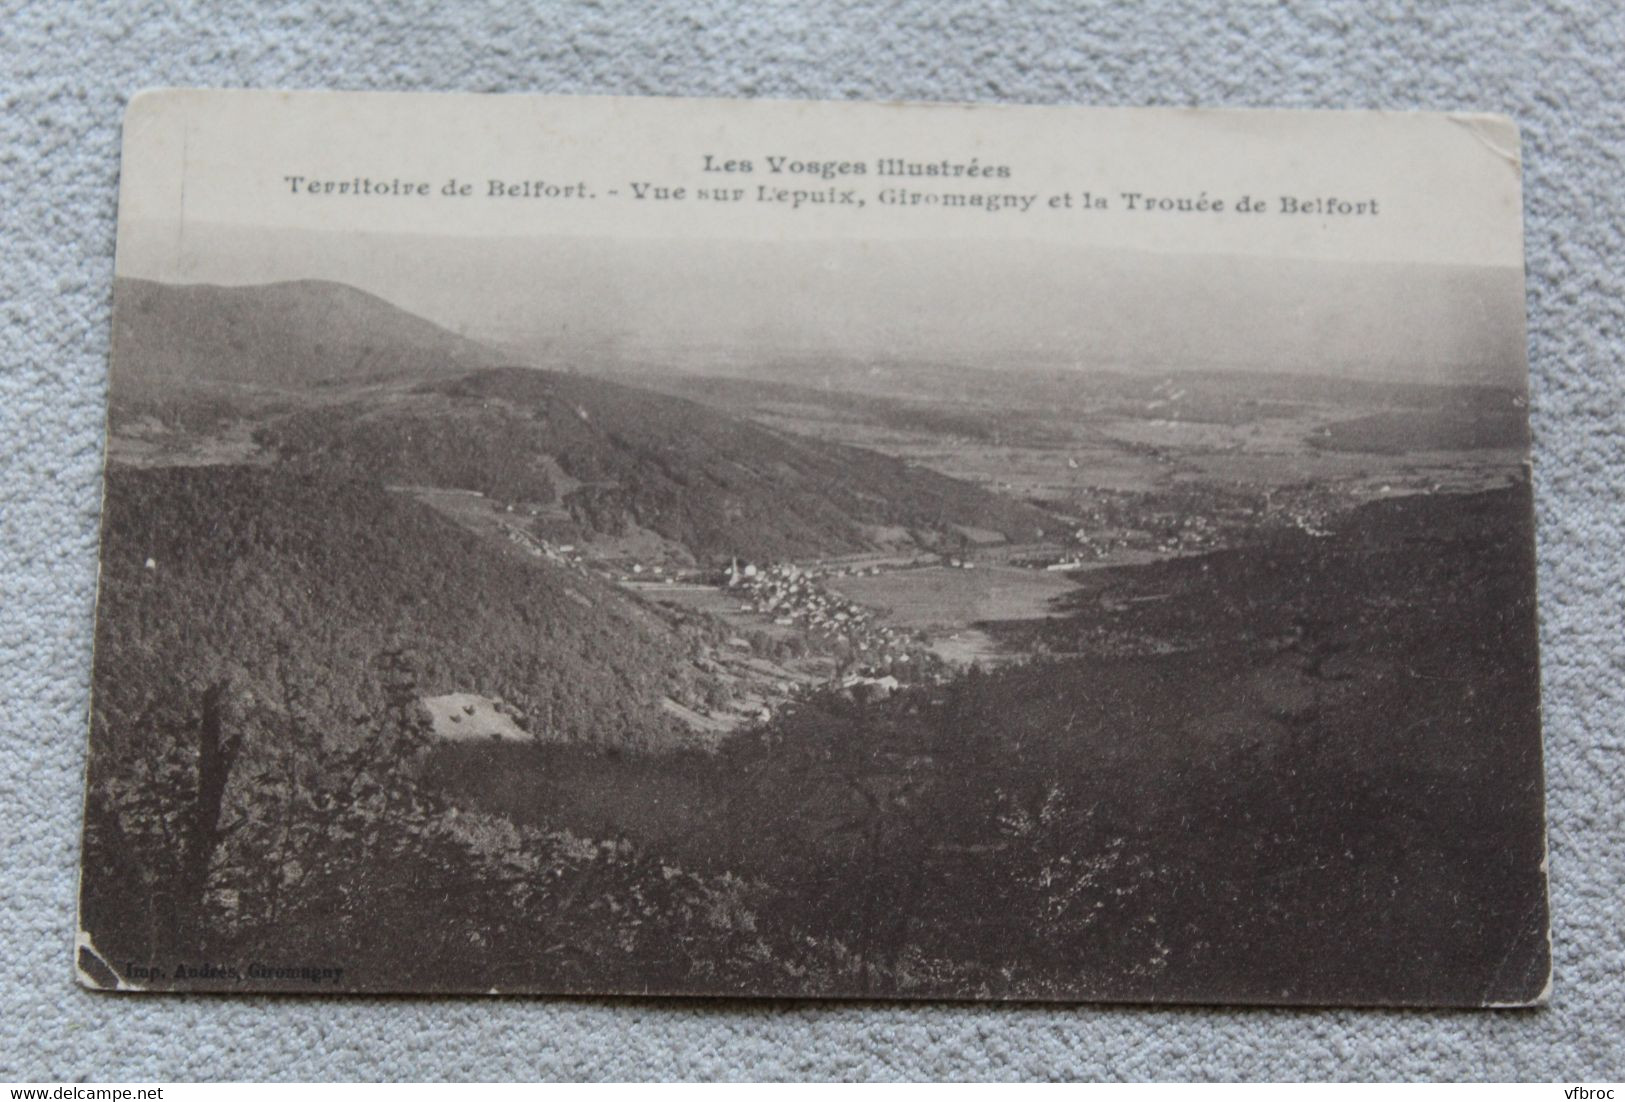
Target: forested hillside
{"type": "Point", "coordinates": [294, 585]}
{"type": "Point", "coordinates": [327, 377]}
{"type": "Point", "coordinates": [718, 485]}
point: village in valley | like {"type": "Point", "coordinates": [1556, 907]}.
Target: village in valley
{"type": "Point", "coordinates": [1120, 474]}
{"type": "Point", "coordinates": [1175, 471]}
{"type": "Point", "coordinates": [868, 625]}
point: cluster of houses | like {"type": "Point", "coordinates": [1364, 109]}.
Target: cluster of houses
{"type": "Point", "coordinates": [655, 572]}
{"type": "Point", "coordinates": [1193, 522]}
{"type": "Point", "coordinates": [791, 595]}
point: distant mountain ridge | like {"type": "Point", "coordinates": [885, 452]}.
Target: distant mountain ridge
{"type": "Point", "coordinates": [612, 458]}
{"type": "Point", "coordinates": [288, 335]}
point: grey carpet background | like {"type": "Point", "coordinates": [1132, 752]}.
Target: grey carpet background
{"type": "Point", "coordinates": [67, 70]}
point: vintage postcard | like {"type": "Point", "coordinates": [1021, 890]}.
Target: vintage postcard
{"type": "Point", "coordinates": [731, 548]}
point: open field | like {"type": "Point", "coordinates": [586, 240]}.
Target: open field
{"type": "Point", "coordinates": [937, 598]}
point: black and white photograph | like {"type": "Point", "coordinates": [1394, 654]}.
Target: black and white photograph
{"type": "Point", "coordinates": [816, 551]}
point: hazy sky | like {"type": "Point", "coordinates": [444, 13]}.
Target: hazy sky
{"type": "Point", "coordinates": [987, 303]}
{"type": "Point", "coordinates": [1429, 288]}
